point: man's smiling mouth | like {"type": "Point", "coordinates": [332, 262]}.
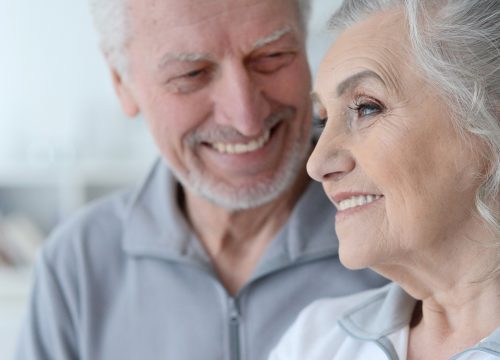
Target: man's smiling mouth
{"type": "Point", "coordinates": [242, 148]}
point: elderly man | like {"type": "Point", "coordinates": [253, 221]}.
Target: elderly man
{"type": "Point", "coordinates": [226, 240]}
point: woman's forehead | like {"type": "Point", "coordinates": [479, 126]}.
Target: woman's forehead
{"type": "Point", "coordinates": [379, 44]}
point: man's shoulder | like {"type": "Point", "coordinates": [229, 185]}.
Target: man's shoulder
{"type": "Point", "coordinates": [99, 224]}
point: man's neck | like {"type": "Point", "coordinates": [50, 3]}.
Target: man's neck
{"type": "Point", "coordinates": [236, 240]}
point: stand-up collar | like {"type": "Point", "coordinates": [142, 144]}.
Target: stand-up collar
{"type": "Point", "coordinates": [380, 315]}
{"type": "Point", "coordinates": [391, 309]}
{"type": "Point", "coordinates": [155, 226]}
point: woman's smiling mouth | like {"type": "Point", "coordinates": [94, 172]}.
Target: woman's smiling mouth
{"type": "Point", "coordinates": [350, 203]}
{"type": "Point", "coordinates": [357, 200]}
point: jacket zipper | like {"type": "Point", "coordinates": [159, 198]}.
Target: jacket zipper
{"type": "Point", "coordinates": [234, 329]}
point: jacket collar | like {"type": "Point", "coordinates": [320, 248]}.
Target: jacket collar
{"type": "Point", "coordinates": [154, 226]}
{"type": "Point", "coordinates": [389, 310]}
{"type": "Point", "coordinates": [489, 345]}
{"type": "Point", "coordinates": [380, 315]}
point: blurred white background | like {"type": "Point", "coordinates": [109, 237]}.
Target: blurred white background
{"type": "Point", "coordinates": [63, 138]}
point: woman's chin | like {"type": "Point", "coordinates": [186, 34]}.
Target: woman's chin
{"type": "Point", "coordinates": [354, 260]}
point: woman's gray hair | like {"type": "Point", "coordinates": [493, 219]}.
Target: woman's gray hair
{"type": "Point", "coordinates": [111, 22]}
{"type": "Point", "coordinates": [456, 44]}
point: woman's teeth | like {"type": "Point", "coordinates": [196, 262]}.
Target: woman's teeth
{"type": "Point", "coordinates": [357, 201]}
{"type": "Point", "coordinates": [242, 148]}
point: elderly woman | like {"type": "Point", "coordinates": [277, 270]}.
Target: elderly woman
{"type": "Point", "coordinates": [410, 100]}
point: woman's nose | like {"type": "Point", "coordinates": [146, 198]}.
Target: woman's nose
{"type": "Point", "coordinates": [330, 161]}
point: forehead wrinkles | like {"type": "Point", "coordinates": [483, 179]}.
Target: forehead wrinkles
{"type": "Point", "coordinates": [207, 25]}
{"type": "Point", "coordinates": [186, 13]}
{"type": "Point", "coordinates": [388, 59]}
{"type": "Point", "coordinates": [389, 70]}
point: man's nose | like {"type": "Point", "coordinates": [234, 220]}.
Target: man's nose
{"type": "Point", "coordinates": [239, 100]}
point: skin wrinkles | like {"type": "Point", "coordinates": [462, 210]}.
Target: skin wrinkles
{"type": "Point", "coordinates": [213, 11]}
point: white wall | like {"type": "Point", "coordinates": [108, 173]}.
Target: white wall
{"type": "Point", "coordinates": [320, 39]}
{"type": "Point", "coordinates": [56, 102]}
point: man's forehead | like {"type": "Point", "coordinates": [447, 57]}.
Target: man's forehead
{"type": "Point", "coordinates": [189, 12]}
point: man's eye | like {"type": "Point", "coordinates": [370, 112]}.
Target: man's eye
{"type": "Point", "coordinates": [189, 81]}
{"type": "Point", "coordinates": [194, 73]}
{"type": "Point", "coordinates": [272, 62]}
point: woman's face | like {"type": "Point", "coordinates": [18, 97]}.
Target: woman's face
{"type": "Point", "coordinates": [389, 158]}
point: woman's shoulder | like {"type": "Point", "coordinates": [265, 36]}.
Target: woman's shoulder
{"type": "Point", "coordinates": [316, 326]}
{"type": "Point", "coordinates": [324, 312]}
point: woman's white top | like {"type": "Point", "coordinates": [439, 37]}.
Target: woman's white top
{"type": "Point", "coordinates": [370, 325]}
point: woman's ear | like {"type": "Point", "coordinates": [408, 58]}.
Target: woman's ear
{"type": "Point", "coordinates": [124, 93]}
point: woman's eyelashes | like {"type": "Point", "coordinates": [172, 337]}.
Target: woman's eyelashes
{"type": "Point", "coordinates": [319, 123]}
{"type": "Point", "coordinates": [320, 118]}
{"type": "Point", "coordinates": [362, 112]}
{"type": "Point", "coordinates": [366, 106]}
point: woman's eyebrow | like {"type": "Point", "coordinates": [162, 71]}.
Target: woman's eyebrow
{"type": "Point", "coordinates": [354, 80]}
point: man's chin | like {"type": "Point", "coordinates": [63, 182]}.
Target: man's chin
{"type": "Point", "coordinates": [235, 198]}
{"type": "Point", "coordinates": [248, 194]}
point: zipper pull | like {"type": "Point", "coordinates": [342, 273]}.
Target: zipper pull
{"type": "Point", "coordinates": [234, 329]}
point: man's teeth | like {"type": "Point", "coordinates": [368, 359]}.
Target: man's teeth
{"type": "Point", "coordinates": [357, 201]}
{"type": "Point", "coordinates": [242, 148]}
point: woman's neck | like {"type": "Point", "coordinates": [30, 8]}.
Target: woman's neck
{"type": "Point", "coordinates": [459, 288]}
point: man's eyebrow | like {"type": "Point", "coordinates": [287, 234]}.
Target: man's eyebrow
{"type": "Point", "coordinates": [354, 80]}
{"type": "Point", "coordinates": [170, 57]}
{"type": "Point", "coordinates": [275, 36]}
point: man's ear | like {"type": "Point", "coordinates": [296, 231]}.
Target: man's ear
{"type": "Point", "coordinates": [124, 93]}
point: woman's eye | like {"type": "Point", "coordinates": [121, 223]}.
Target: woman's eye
{"type": "Point", "coordinates": [319, 123]}
{"type": "Point", "coordinates": [366, 109]}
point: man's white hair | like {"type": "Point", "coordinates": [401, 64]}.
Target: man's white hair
{"type": "Point", "coordinates": [113, 28]}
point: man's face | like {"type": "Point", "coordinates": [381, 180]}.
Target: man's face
{"type": "Point", "coordinates": [224, 86]}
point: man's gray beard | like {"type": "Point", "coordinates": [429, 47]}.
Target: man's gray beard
{"type": "Point", "coordinates": [235, 198]}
